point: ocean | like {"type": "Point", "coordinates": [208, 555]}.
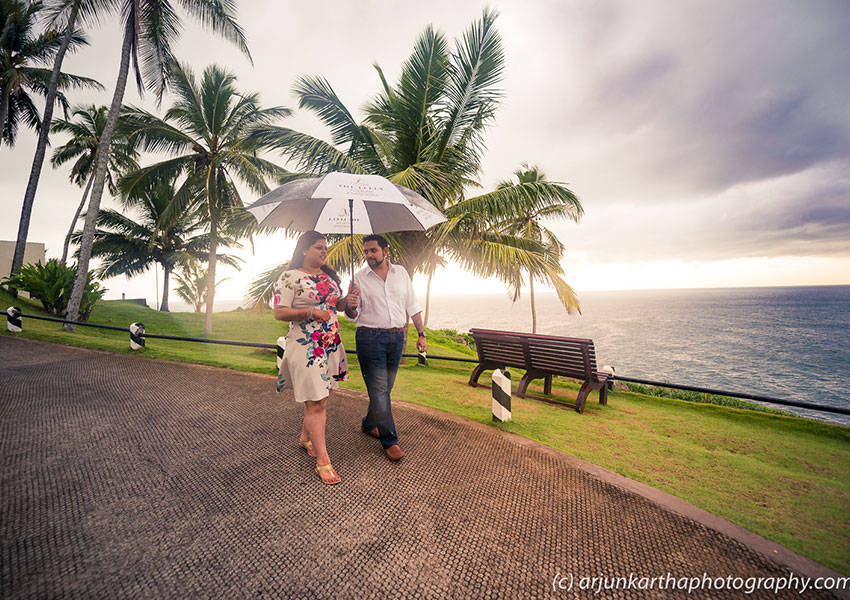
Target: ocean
{"type": "Point", "coordinates": [785, 342]}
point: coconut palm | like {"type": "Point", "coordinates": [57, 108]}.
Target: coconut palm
{"type": "Point", "coordinates": [214, 134]}
{"type": "Point", "coordinates": [50, 46]}
{"type": "Point", "coordinates": [151, 28]}
{"type": "Point", "coordinates": [527, 226]}
{"type": "Point", "coordinates": [129, 246]}
{"type": "Point", "coordinates": [192, 286]}
{"type": "Point", "coordinates": [427, 133]}
{"type": "Point", "coordinates": [86, 131]}
{"type": "Point", "coordinates": [23, 56]}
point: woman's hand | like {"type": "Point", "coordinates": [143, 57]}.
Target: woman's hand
{"type": "Point", "coordinates": [321, 315]}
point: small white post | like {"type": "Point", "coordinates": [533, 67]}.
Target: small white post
{"type": "Point", "coordinates": [501, 395]}
{"type": "Point", "coordinates": [610, 371]}
{"type": "Point", "coordinates": [137, 330]}
{"type": "Point", "coordinates": [13, 319]}
{"type": "Point", "coordinates": [281, 346]}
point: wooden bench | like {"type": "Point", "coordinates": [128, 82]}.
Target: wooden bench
{"type": "Point", "coordinates": [541, 357]}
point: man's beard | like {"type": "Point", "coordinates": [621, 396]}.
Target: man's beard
{"type": "Point", "coordinates": [374, 262]}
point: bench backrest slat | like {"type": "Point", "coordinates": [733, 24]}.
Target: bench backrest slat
{"type": "Point", "coordinates": [570, 357]}
{"type": "Point", "coordinates": [505, 350]}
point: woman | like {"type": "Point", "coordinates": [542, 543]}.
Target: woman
{"type": "Point", "coordinates": [308, 296]}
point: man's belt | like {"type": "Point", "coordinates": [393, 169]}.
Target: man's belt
{"type": "Point", "coordinates": [382, 330]}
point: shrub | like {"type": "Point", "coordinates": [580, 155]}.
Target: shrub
{"type": "Point", "coordinates": [51, 284]}
{"type": "Point", "coordinates": [701, 398]}
{"type": "Point", "coordinates": [451, 339]}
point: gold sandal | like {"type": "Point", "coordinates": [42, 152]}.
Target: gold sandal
{"type": "Point", "coordinates": [308, 445]}
{"type": "Point", "coordinates": [328, 467]}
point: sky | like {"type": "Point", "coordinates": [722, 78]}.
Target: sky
{"type": "Point", "coordinates": [709, 142]}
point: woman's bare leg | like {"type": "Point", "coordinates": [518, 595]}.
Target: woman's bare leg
{"type": "Point", "coordinates": [315, 417]}
{"type": "Point", "coordinates": [304, 438]}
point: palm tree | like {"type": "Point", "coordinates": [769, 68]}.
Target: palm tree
{"type": "Point", "coordinates": [427, 133]}
{"type": "Point", "coordinates": [192, 287]}
{"type": "Point", "coordinates": [129, 247]}
{"type": "Point", "coordinates": [528, 226]}
{"type": "Point", "coordinates": [22, 54]}
{"type": "Point", "coordinates": [86, 132]}
{"type": "Point", "coordinates": [214, 134]}
{"type": "Point", "coordinates": [151, 27]}
{"type": "Point", "coordinates": [48, 46]}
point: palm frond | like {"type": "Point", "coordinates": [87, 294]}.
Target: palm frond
{"type": "Point", "coordinates": [220, 17]}
{"type": "Point", "coordinates": [153, 134]}
{"type": "Point", "coordinates": [477, 66]}
{"type": "Point", "coordinates": [309, 153]}
{"type": "Point", "coordinates": [518, 200]}
{"type": "Point", "coordinates": [340, 256]}
{"type": "Point", "coordinates": [261, 291]}
{"type": "Point", "coordinates": [159, 30]}
{"type": "Point", "coordinates": [317, 95]}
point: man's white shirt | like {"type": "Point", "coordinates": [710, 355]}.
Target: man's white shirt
{"type": "Point", "coordinates": [385, 304]}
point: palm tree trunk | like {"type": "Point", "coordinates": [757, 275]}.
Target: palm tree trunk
{"type": "Point", "coordinates": [74, 220]}
{"type": "Point", "coordinates": [4, 109]}
{"type": "Point", "coordinates": [41, 147]}
{"type": "Point", "coordinates": [428, 299]}
{"type": "Point", "coordinates": [99, 179]}
{"type": "Point", "coordinates": [166, 272]}
{"type": "Point", "coordinates": [211, 282]}
{"type": "Point", "coordinates": [533, 308]}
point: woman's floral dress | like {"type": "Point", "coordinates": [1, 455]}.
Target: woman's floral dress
{"type": "Point", "coordinates": [314, 358]}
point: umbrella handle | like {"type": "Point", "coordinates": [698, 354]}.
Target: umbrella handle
{"type": "Point", "coordinates": [351, 236]}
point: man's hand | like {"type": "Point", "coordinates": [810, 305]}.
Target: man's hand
{"type": "Point", "coordinates": [421, 345]}
{"type": "Point", "coordinates": [353, 297]}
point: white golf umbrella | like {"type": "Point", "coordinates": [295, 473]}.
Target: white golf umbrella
{"type": "Point", "coordinates": [345, 203]}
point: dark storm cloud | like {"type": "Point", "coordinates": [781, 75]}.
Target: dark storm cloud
{"type": "Point", "coordinates": [727, 93]}
{"type": "Point", "coordinates": [705, 130]}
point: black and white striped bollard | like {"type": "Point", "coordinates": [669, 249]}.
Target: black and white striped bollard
{"type": "Point", "coordinates": [281, 346]}
{"type": "Point", "coordinates": [137, 330]}
{"type": "Point", "coordinates": [501, 395]}
{"type": "Point", "coordinates": [13, 319]}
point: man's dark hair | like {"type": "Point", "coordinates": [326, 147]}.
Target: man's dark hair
{"type": "Point", "coordinates": [382, 242]}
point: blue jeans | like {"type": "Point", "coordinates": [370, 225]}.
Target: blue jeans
{"type": "Point", "coordinates": [379, 353]}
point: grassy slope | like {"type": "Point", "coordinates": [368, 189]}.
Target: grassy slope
{"type": "Point", "coordinates": [781, 477]}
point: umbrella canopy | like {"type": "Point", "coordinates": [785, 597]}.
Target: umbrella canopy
{"type": "Point", "coordinates": [345, 203]}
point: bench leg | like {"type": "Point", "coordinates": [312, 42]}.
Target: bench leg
{"type": "Point", "coordinates": [523, 385]}
{"type": "Point", "coordinates": [603, 394]}
{"type": "Point", "coordinates": [547, 385]}
{"type": "Point", "coordinates": [582, 396]}
{"type": "Point", "coordinates": [476, 373]}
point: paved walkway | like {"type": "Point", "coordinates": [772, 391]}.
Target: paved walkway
{"type": "Point", "coordinates": [132, 478]}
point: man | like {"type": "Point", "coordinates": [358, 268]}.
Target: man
{"type": "Point", "coordinates": [386, 298]}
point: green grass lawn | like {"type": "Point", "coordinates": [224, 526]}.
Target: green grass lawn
{"type": "Point", "coordinates": [782, 477]}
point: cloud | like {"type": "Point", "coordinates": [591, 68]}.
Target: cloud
{"type": "Point", "coordinates": [692, 97]}
{"type": "Point", "coordinates": [692, 130]}
{"type": "Point", "coordinates": [804, 214]}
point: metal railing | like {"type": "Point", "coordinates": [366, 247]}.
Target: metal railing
{"type": "Point", "coordinates": [769, 399]}
{"type": "Point", "coordinates": [138, 335]}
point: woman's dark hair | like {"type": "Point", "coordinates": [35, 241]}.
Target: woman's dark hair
{"type": "Point", "coordinates": [307, 239]}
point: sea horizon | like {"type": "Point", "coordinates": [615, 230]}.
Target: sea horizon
{"type": "Point", "coordinates": [229, 303]}
{"type": "Point", "coordinates": [787, 342]}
